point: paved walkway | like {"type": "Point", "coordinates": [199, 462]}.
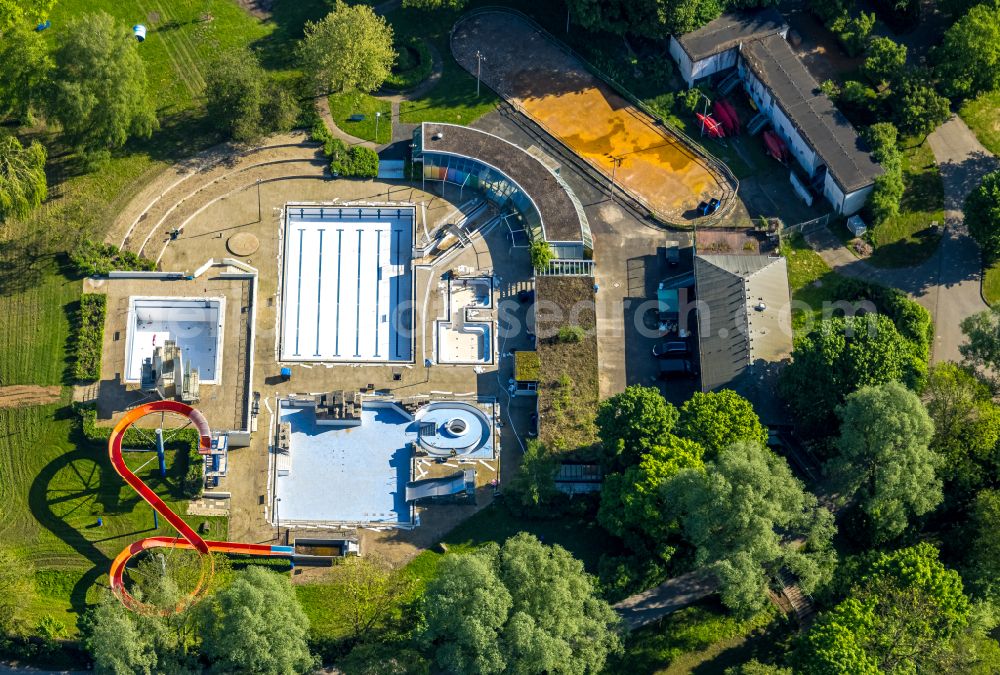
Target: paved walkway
{"type": "Point", "coordinates": [948, 284]}
{"type": "Point", "coordinates": [644, 608]}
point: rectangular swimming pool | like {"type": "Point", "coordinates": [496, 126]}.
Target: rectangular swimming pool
{"type": "Point", "coordinates": [347, 286]}
{"type": "Point", "coordinates": [195, 324]}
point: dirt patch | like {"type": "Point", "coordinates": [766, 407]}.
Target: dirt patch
{"type": "Point", "coordinates": [258, 8]}
{"type": "Point", "coordinates": [28, 394]}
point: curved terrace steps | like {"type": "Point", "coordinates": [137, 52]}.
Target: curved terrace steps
{"type": "Point", "coordinates": [181, 183]}
{"type": "Point", "coordinates": [180, 213]}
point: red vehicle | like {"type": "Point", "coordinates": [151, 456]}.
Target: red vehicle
{"type": "Point", "coordinates": [710, 126]}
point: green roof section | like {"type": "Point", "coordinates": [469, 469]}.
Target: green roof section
{"type": "Point", "coordinates": [527, 366]}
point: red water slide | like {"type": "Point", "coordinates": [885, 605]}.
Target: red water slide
{"type": "Point", "coordinates": [188, 539]}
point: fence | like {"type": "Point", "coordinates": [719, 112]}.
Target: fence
{"type": "Point", "coordinates": [724, 176]}
{"type": "Point", "coordinates": [807, 226]}
{"type": "Point", "coordinates": [569, 268]}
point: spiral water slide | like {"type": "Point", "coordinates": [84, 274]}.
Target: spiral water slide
{"type": "Point", "coordinates": [188, 538]}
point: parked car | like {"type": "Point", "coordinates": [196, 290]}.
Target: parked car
{"type": "Point", "coordinates": [670, 348]}
{"type": "Point", "coordinates": [675, 368]}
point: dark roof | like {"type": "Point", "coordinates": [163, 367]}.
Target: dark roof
{"type": "Point", "coordinates": [729, 30]}
{"type": "Point", "coordinates": [744, 325]}
{"type": "Point", "coordinates": [561, 219]}
{"type": "Point", "coordinates": [825, 128]}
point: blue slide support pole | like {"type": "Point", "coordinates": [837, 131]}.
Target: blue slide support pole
{"type": "Point", "coordinates": [161, 453]}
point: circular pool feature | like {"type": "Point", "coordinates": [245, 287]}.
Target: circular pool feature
{"type": "Point", "coordinates": [461, 427]}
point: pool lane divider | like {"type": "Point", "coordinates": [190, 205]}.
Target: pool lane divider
{"type": "Point", "coordinates": [319, 290]}
{"type": "Point", "coordinates": [357, 304]}
{"type": "Point", "coordinates": [298, 294]}
{"type": "Point", "coordinates": [378, 281]}
{"type": "Point", "coordinates": [336, 332]}
{"type": "Point", "coordinates": [188, 539]}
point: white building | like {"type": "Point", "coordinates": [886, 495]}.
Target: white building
{"type": "Point", "coordinates": [835, 160]}
{"type": "Point", "coordinates": [715, 46]}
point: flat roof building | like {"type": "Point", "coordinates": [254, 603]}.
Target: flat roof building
{"type": "Point", "coordinates": [508, 176]}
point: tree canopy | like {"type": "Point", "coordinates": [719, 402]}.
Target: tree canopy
{"type": "Point", "coordinates": [256, 625]}
{"type": "Point", "coordinates": [901, 617]}
{"type": "Point", "coordinates": [983, 333]}
{"type": "Point", "coordinates": [633, 422]}
{"type": "Point", "coordinates": [966, 427]}
{"type": "Point", "coordinates": [884, 61]}
{"type": "Point", "coordinates": [838, 357]}
{"type": "Point", "coordinates": [99, 92]}
{"type": "Point", "coordinates": [23, 184]}
{"type": "Point", "coordinates": [982, 569]}
{"type": "Point", "coordinates": [23, 13]}
{"type": "Point", "coordinates": [243, 101]}
{"type": "Point", "coordinates": [716, 420]}
{"type": "Point", "coordinates": [633, 503]}
{"type": "Point", "coordinates": [982, 213]}
{"type": "Point", "coordinates": [652, 18]}
{"type": "Point", "coordinates": [349, 49]}
{"type": "Point", "coordinates": [884, 462]}
{"type": "Point", "coordinates": [24, 66]}
{"type": "Point", "coordinates": [968, 60]}
{"type": "Point", "coordinates": [741, 512]}
{"type": "Point", "coordinates": [522, 608]}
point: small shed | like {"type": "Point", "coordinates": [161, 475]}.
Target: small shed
{"type": "Point", "coordinates": [856, 226]}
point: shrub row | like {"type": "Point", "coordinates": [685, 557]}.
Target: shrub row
{"type": "Point", "coordinates": [187, 439]}
{"type": "Point", "coordinates": [356, 161]}
{"type": "Point", "coordinates": [89, 336]}
{"type": "Point", "coordinates": [411, 72]}
{"type": "Point", "coordinates": [92, 259]}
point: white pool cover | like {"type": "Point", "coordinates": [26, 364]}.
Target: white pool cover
{"type": "Point", "coordinates": [347, 284]}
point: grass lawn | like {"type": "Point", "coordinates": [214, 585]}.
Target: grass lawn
{"type": "Point", "coordinates": [907, 239]}
{"type": "Point", "coordinates": [982, 114]}
{"type": "Point", "coordinates": [694, 639]}
{"type": "Point", "coordinates": [453, 99]}
{"type": "Point", "coordinates": [991, 285]}
{"type": "Point", "coordinates": [581, 536]}
{"type": "Point", "coordinates": [811, 281]}
{"type": "Point", "coordinates": [343, 106]}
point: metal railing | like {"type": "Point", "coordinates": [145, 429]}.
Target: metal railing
{"type": "Point", "coordinates": [724, 176]}
{"type": "Point", "coordinates": [568, 268]}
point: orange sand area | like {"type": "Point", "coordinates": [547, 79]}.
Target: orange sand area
{"type": "Point", "coordinates": [598, 125]}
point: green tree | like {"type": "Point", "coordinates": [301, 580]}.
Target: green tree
{"type": "Point", "coordinates": [453, 5]}
{"type": "Point", "coordinates": [718, 419]}
{"type": "Point", "coordinates": [351, 48]}
{"type": "Point", "coordinates": [21, 13]}
{"type": "Point", "coordinates": [982, 565]}
{"type": "Point", "coordinates": [983, 332]}
{"type": "Point", "coordinates": [541, 255]}
{"type": "Point", "coordinates": [633, 503]}
{"type": "Point", "coordinates": [885, 60]}
{"type": "Point", "coordinates": [123, 642]}
{"type": "Point", "coordinates": [631, 423]}
{"type": "Point", "coordinates": [649, 18]}
{"type": "Point", "coordinates": [256, 625]}
{"type": "Point", "coordinates": [982, 213]}
{"type": "Point", "coordinates": [884, 463]}
{"type": "Point", "coordinates": [889, 187]}
{"type": "Point", "coordinates": [16, 589]}
{"type": "Point", "coordinates": [901, 617]}
{"type": "Point", "coordinates": [966, 427]}
{"type": "Point", "coordinates": [99, 92]}
{"type": "Point", "coordinates": [533, 486]}
{"type": "Point", "coordinates": [22, 177]}
{"type": "Point", "coordinates": [24, 67]}
{"type": "Point", "coordinates": [968, 60]}
{"type": "Point", "coordinates": [243, 102]}
{"type": "Point", "coordinates": [371, 588]}
{"type": "Point", "coordinates": [919, 109]}
{"type": "Point", "coordinates": [740, 514]}
{"type": "Point", "coordinates": [521, 608]}
{"type": "Point", "coordinates": [840, 356]}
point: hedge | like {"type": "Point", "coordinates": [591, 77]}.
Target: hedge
{"type": "Point", "coordinates": [192, 483]}
{"type": "Point", "coordinates": [410, 75]}
{"type": "Point", "coordinates": [92, 259]}
{"type": "Point", "coordinates": [89, 339]}
{"type": "Point", "coordinates": [356, 161]}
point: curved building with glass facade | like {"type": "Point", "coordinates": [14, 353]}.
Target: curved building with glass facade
{"type": "Point", "coordinates": [514, 180]}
